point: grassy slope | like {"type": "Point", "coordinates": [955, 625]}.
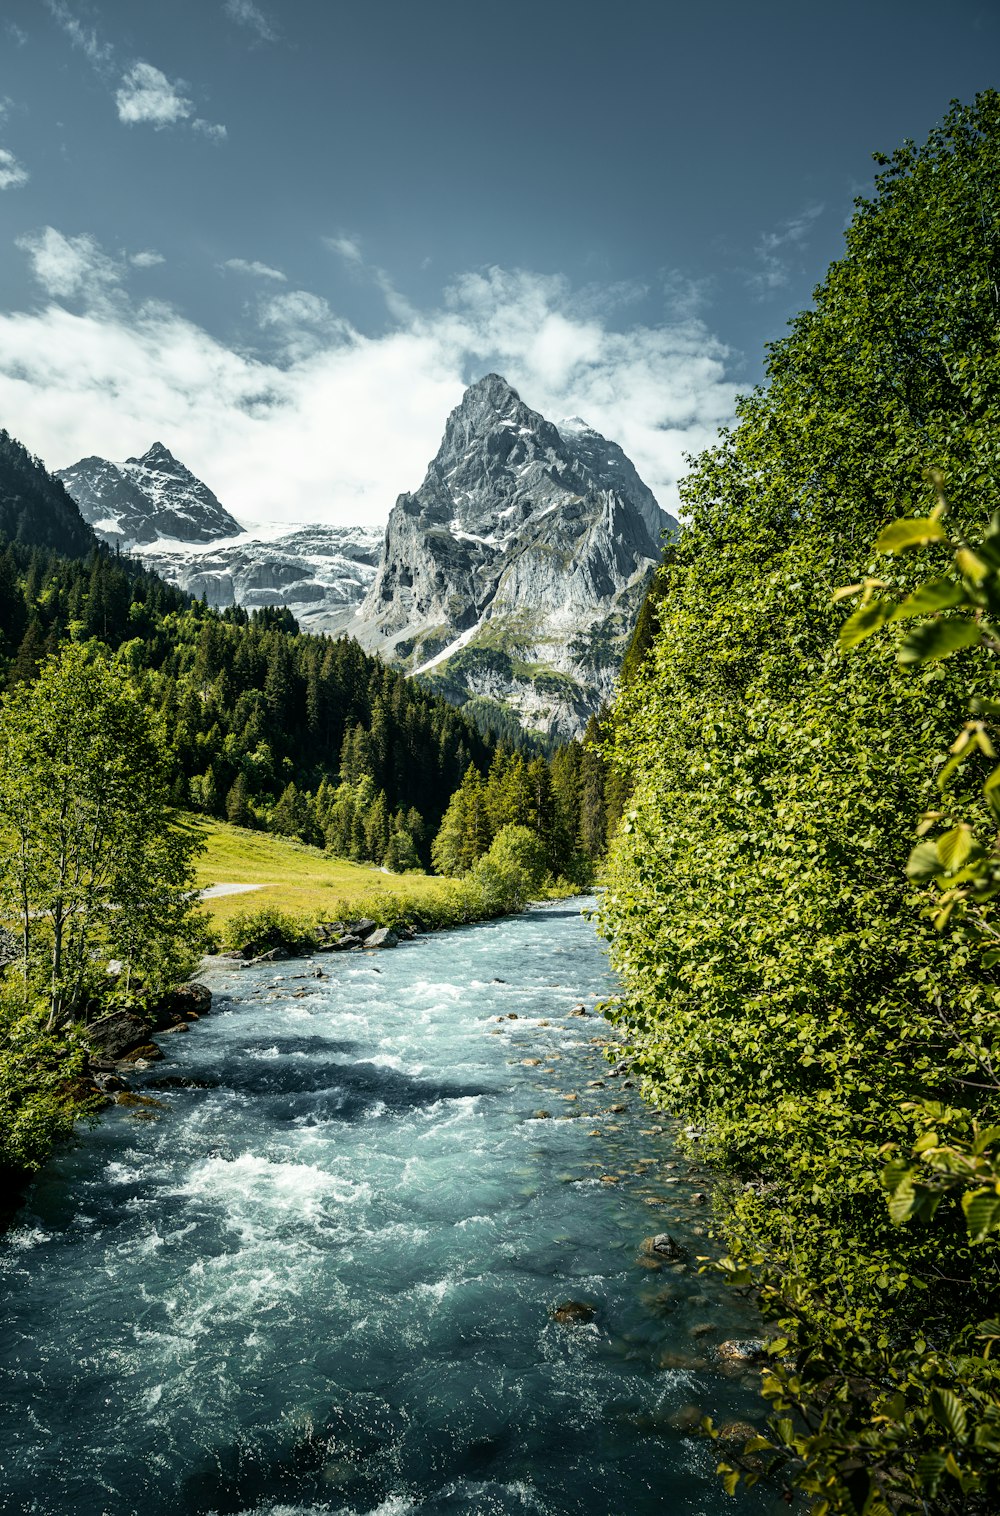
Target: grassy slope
{"type": "Point", "coordinates": [296, 878]}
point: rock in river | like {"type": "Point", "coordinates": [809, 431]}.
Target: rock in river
{"type": "Point", "coordinates": [573, 1313]}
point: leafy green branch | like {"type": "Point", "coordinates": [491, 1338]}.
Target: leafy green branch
{"type": "Point", "coordinates": [959, 866]}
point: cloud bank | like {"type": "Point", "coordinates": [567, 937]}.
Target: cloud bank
{"type": "Point", "coordinates": [316, 421]}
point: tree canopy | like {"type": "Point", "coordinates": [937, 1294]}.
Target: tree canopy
{"type": "Point", "coordinates": [784, 993]}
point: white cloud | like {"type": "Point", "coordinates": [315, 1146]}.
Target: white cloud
{"type": "Point", "coordinates": [776, 251]}
{"type": "Point", "coordinates": [259, 270]}
{"type": "Point", "coordinates": [12, 174]}
{"type": "Point", "coordinates": [245, 13]}
{"type": "Point", "coordinates": [146, 94]}
{"type": "Point", "coordinates": [69, 266]}
{"type": "Point", "coordinates": [146, 259]}
{"type": "Point", "coordinates": [349, 248]}
{"type": "Point", "coordinates": [213, 130]}
{"type": "Point", "coordinates": [15, 33]}
{"type": "Point", "coordinates": [302, 324]}
{"type": "Point", "coordinates": [334, 424]}
{"type": "Point", "coordinates": [83, 37]}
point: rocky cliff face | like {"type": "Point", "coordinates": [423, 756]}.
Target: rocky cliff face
{"type": "Point", "coordinates": [321, 573]}
{"type": "Point", "coordinates": [146, 498]}
{"type": "Point", "coordinates": [516, 570]}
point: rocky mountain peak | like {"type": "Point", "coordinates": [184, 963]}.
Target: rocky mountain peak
{"type": "Point", "coordinates": [157, 456]}
{"type": "Point", "coordinates": [145, 498]}
{"type": "Point", "coordinates": [523, 557]}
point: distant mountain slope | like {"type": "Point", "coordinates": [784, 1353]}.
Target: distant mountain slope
{"type": "Point", "coordinates": [145, 498]}
{"type": "Point", "coordinates": [35, 508]}
{"type": "Point", "coordinates": [516, 571]}
{"type": "Point", "coordinates": [321, 573]}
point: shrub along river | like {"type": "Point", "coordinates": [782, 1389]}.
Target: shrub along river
{"type": "Point", "coordinates": [322, 1276]}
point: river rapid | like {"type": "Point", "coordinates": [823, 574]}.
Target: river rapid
{"type": "Point", "coordinates": [322, 1279]}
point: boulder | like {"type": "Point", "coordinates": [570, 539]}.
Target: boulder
{"type": "Point", "coordinates": [382, 937]}
{"type": "Point", "coordinates": [572, 1313]}
{"type": "Point", "coordinates": [274, 955]}
{"type": "Point", "coordinates": [148, 1052]}
{"type": "Point", "coordinates": [362, 928]}
{"type": "Point", "coordinates": [116, 1034]}
{"type": "Point", "coordinates": [182, 1001]}
{"type": "Point", "coordinates": [662, 1246]}
{"type": "Point", "coordinates": [109, 1082]}
{"type": "Point", "coordinates": [742, 1353]}
{"type": "Point", "coordinates": [340, 944]}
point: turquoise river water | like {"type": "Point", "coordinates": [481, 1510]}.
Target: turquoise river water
{"type": "Point", "coordinates": [322, 1280]}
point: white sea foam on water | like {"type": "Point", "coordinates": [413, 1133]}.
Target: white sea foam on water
{"type": "Point", "coordinates": [253, 1180]}
{"type": "Point", "coordinates": [26, 1238]}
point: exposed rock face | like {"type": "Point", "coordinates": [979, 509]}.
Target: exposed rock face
{"type": "Point", "coordinates": [145, 498]}
{"type": "Point", "coordinates": [321, 573]}
{"type": "Point", "coordinates": [516, 570]}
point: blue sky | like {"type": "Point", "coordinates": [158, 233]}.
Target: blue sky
{"type": "Point", "coordinates": [282, 237]}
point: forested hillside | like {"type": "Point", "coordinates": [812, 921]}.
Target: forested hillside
{"type": "Point", "coordinates": [302, 734]}
{"type": "Point", "coordinates": [784, 992]}
{"type": "Point", "coordinates": [35, 508]}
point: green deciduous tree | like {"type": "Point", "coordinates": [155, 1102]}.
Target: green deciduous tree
{"type": "Point", "coordinates": [783, 992]}
{"type": "Point", "coordinates": [92, 863]}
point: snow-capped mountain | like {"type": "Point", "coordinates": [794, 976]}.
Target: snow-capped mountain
{"type": "Point", "coordinates": [321, 573]}
{"type": "Point", "coordinates": [517, 569]}
{"type": "Point", "coordinates": [146, 498]}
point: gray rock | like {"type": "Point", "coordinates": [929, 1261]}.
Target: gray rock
{"type": "Point", "coordinates": [116, 1034]}
{"type": "Point", "coordinates": [362, 928]}
{"type": "Point", "coordinates": [342, 944]}
{"type": "Point", "coordinates": [663, 1246]}
{"type": "Point", "coordinates": [382, 937]}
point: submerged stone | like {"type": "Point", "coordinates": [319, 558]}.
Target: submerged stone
{"type": "Point", "coordinates": [573, 1313]}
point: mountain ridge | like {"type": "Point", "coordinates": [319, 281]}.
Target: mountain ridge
{"type": "Point", "coordinates": [144, 498]}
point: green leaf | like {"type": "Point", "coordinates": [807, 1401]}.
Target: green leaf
{"type": "Point", "coordinates": [923, 862]}
{"type": "Point", "coordinates": [929, 1468]}
{"type": "Point", "coordinates": [949, 1411]}
{"type": "Point", "coordinates": [971, 565]}
{"type": "Point", "coordinates": [939, 639]}
{"type": "Point", "coordinates": [982, 1213]}
{"type": "Point", "coordinates": [865, 620]}
{"type": "Point", "coordinates": [935, 595]}
{"type": "Point", "coordinates": [903, 1203]}
{"type": "Point", "coordinates": [956, 846]}
{"type": "Point", "coordinates": [911, 532]}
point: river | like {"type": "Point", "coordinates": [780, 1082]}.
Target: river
{"type": "Point", "coordinates": [321, 1279]}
